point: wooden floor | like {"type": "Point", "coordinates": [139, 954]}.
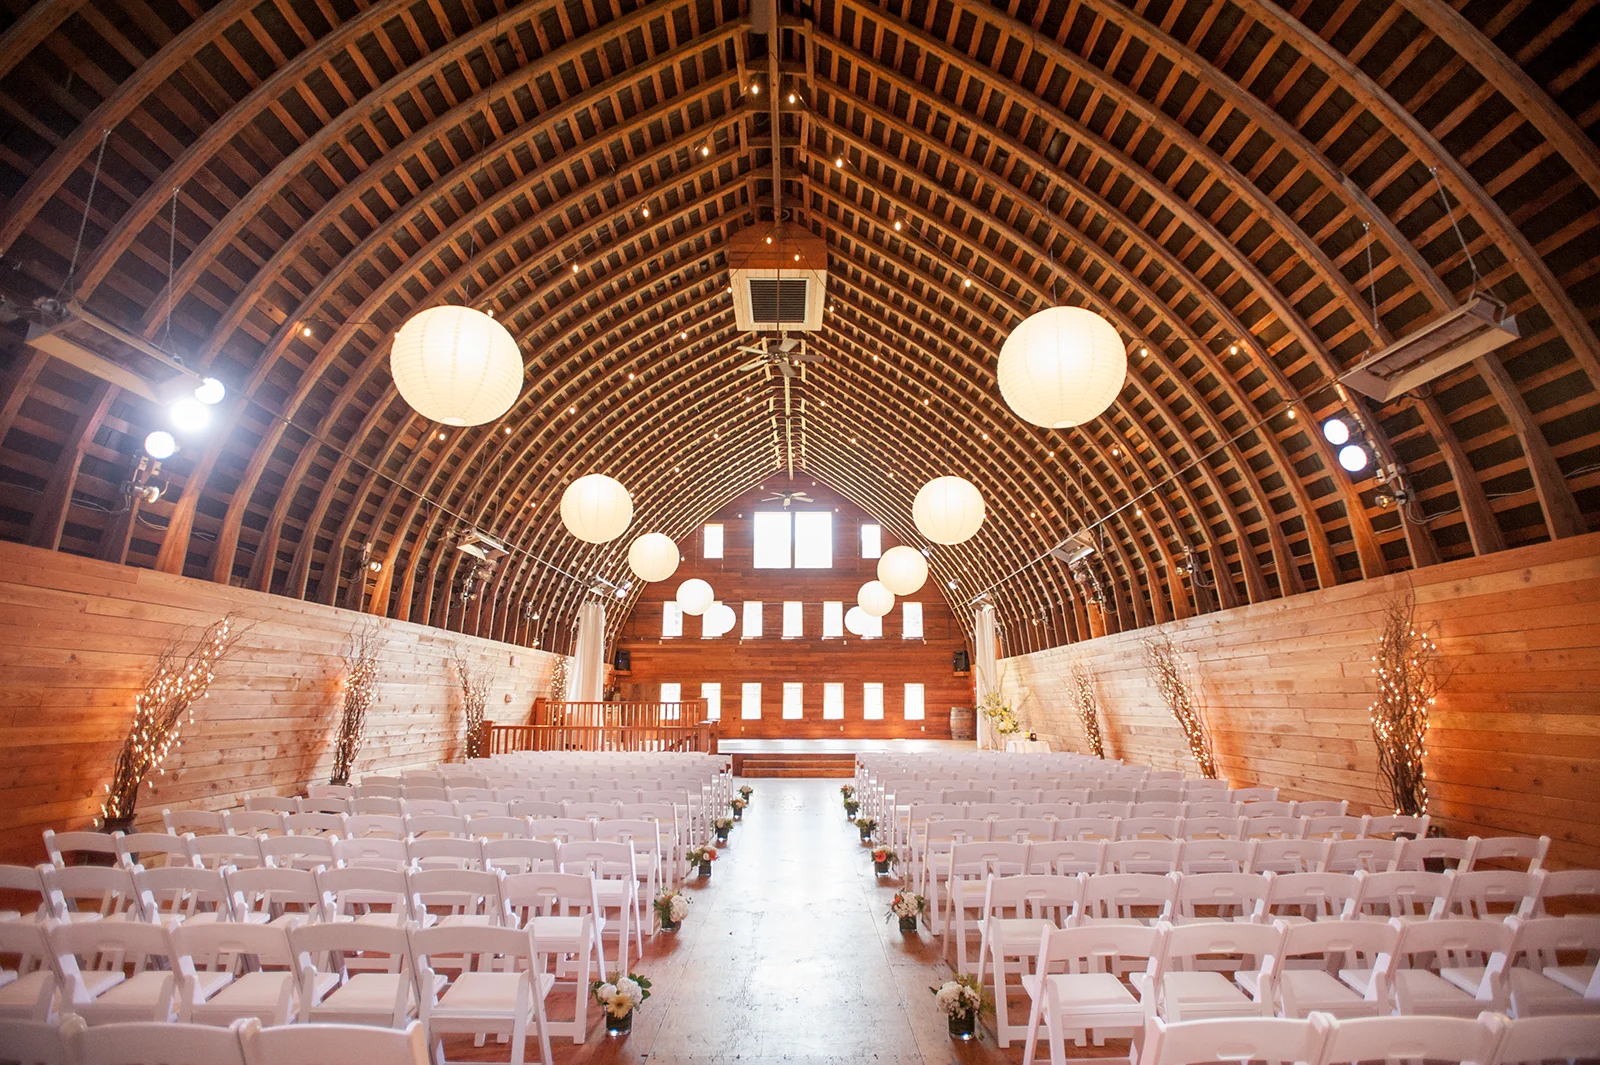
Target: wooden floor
{"type": "Point", "coordinates": [786, 957]}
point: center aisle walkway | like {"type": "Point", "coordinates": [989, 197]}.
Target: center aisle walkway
{"type": "Point", "coordinates": [786, 956]}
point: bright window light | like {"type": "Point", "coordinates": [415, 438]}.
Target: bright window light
{"type": "Point", "coordinates": [911, 621]}
{"type": "Point", "coordinates": [832, 620]}
{"type": "Point", "coordinates": [772, 533]}
{"type": "Point", "coordinates": [750, 701]}
{"type": "Point", "coordinates": [711, 692]}
{"type": "Point", "coordinates": [872, 701]}
{"type": "Point", "coordinates": [813, 539]}
{"type": "Point", "coordinates": [872, 628]}
{"type": "Point", "coordinates": [671, 619]}
{"type": "Point", "coordinates": [752, 621]}
{"type": "Point", "coordinates": [711, 546]}
{"type": "Point", "coordinates": [833, 702]}
{"type": "Point", "coordinates": [914, 708]}
{"type": "Point", "coordinates": [793, 701]}
{"type": "Point", "coordinates": [871, 541]}
{"type": "Point", "coordinates": [672, 696]}
{"type": "Point", "coordinates": [793, 620]}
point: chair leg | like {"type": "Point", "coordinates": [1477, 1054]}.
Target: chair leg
{"type": "Point", "coordinates": [1035, 1009]}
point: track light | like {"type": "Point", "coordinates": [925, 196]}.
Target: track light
{"type": "Point", "coordinates": [210, 391]}
{"type": "Point", "coordinates": [1354, 458]}
{"type": "Point", "coordinates": [189, 415]}
{"type": "Point", "coordinates": [1336, 431]}
{"type": "Point", "coordinates": [160, 445]}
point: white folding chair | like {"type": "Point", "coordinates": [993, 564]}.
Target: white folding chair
{"type": "Point", "coordinates": [1407, 896]}
{"type": "Point", "coordinates": [1530, 1040]}
{"type": "Point", "coordinates": [155, 1043]}
{"type": "Point", "coordinates": [1089, 996]}
{"type": "Point", "coordinates": [271, 895]}
{"type": "Point", "coordinates": [79, 893]}
{"type": "Point", "coordinates": [435, 825]}
{"type": "Point", "coordinates": [235, 970]}
{"type": "Point", "coordinates": [23, 886]}
{"type": "Point", "coordinates": [1234, 897]}
{"type": "Point", "coordinates": [355, 974]}
{"type": "Point", "coordinates": [179, 894]}
{"type": "Point", "coordinates": [374, 852]}
{"type": "Point", "coordinates": [562, 829]}
{"type": "Point", "coordinates": [616, 877]}
{"type": "Point", "coordinates": [1068, 857]}
{"type": "Point", "coordinates": [520, 855]}
{"type": "Point", "coordinates": [298, 852]}
{"type": "Point", "coordinates": [466, 896]}
{"type": "Point", "coordinates": [194, 822]}
{"type": "Point", "coordinates": [254, 822]}
{"type": "Point", "coordinates": [648, 855]}
{"type": "Point", "coordinates": [1397, 825]}
{"type": "Point", "coordinates": [1341, 826]}
{"type": "Point", "coordinates": [1446, 852]}
{"type": "Point", "coordinates": [154, 849]}
{"type": "Point", "coordinates": [375, 806]}
{"type": "Point", "coordinates": [1538, 982]}
{"type": "Point", "coordinates": [412, 806]}
{"type": "Point", "coordinates": [1128, 898]}
{"type": "Point", "coordinates": [1265, 827]}
{"type": "Point", "coordinates": [1314, 953]}
{"type": "Point", "coordinates": [1036, 904]}
{"type": "Point", "coordinates": [278, 804]}
{"type": "Point", "coordinates": [1191, 988]}
{"type": "Point", "coordinates": [314, 823]}
{"type": "Point", "coordinates": [1236, 1039]}
{"type": "Point", "coordinates": [73, 848]}
{"type": "Point", "coordinates": [1299, 897]}
{"type": "Point", "coordinates": [374, 826]}
{"type": "Point", "coordinates": [970, 866]}
{"type": "Point", "coordinates": [1503, 850]}
{"type": "Point", "coordinates": [1571, 890]}
{"type": "Point", "coordinates": [1243, 795]}
{"type": "Point", "coordinates": [1398, 1039]}
{"type": "Point", "coordinates": [1455, 947]}
{"type": "Point", "coordinates": [355, 893]}
{"type": "Point", "coordinates": [1213, 827]}
{"type": "Point", "coordinates": [333, 1044]}
{"type": "Point", "coordinates": [28, 985]}
{"type": "Point", "coordinates": [328, 805]}
{"type": "Point", "coordinates": [1365, 855]}
{"type": "Point", "coordinates": [330, 791]}
{"type": "Point", "coordinates": [90, 959]}
{"type": "Point", "coordinates": [1288, 856]}
{"type": "Point", "coordinates": [1322, 808]}
{"type": "Point", "coordinates": [40, 1042]}
{"type": "Point", "coordinates": [1152, 827]}
{"type": "Point", "coordinates": [499, 826]}
{"type": "Point", "coordinates": [1493, 894]}
{"type": "Point", "coordinates": [563, 912]}
{"type": "Point", "coordinates": [1216, 856]}
{"type": "Point", "coordinates": [500, 990]}
{"type": "Point", "coordinates": [1159, 856]}
{"type": "Point", "coordinates": [445, 852]}
{"type": "Point", "coordinates": [214, 852]}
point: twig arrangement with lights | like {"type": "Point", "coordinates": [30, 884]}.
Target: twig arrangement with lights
{"type": "Point", "coordinates": [1409, 678]}
{"type": "Point", "coordinates": [1172, 680]}
{"type": "Point", "coordinates": [1088, 708]}
{"type": "Point", "coordinates": [361, 676]}
{"type": "Point", "coordinates": [558, 679]}
{"type": "Point", "coordinates": [474, 701]}
{"type": "Point", "coordinates": [163, 706]}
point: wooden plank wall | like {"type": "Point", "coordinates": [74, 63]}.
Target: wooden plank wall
{"type": "Point", "coordinates": [78, 636]}
{"type": "Point", "coordinates": [1514, 746]}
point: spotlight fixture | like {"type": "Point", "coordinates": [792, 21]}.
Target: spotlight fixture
{"type": "Point", "coordinates": [755, 89]}
{"type": "Point", "coordinates": [967, 283]}
{"type": "Point", "coordinates": [210, 391]}
{"type": "Point", "coordinates": [189, 415]}
{"type": "Point", "coordinates": [839, 162]}
{"type": "Point", "coordinates": [376, 566]}
{"type": "Point", "coordinates": [1336, 431]}
{"type": "Point", "coordinates": [791, 97]}
{"type": "Point", "coordinates": [160, 445]}
{"type": "Point", "coordinates": [1354, 458]}
{"type": "Point", "coordinates": [645, 211]}
{"type": "Point", "coordinates": [897, 225]}
{"type": "Point", "coordinates": [704, 150]}
{"type": "Point", "coordinates": [306, 332]}
{"type": "Point", "coordinates": [574, 267]}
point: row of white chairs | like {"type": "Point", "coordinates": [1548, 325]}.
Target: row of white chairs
{"type": "Point", "coordinates": [452, 978]}
{"type": "Point", "coordinates": [1110, 978]}
{"type": "Point", "coordinates": [902, 792]}
{"type": "Point", "coordinates": [71, 1042]}
{"type": "Point", "coordinates": [456, 800]}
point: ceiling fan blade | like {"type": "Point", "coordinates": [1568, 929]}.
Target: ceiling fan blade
{"type": "Point", "coordinates": [786, 367]}
{"type": "Point", "coordinates": [756, 364]}
{"type": "Point", "coordinates": [752, 350]}
{"type": "Point", "coordinates": [788, 343]}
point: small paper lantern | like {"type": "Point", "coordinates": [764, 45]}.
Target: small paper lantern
{"type": "Point", "coordinates": [719, 619]}
{"type": "Point", "coordinates": [855, 621]}
{"type": "Point", "coordinates": [653, 557]}
{"type": "Point", "coordinates": [695, 596]}
{"type": "Point", "coordinates": [1062, 367]}
{"type": "Point", "coordinates": [948, 510]}
{"type": "Point", "coordinates": [456, 365]}
{"type": "Point", "coordinates": [902, 570]}
{"type": "Point", "coordinates": [596, 509]}
{"type": "Point", "coordinates": [875, 599]}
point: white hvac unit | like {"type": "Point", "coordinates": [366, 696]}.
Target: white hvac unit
{"type": "Point", "coordinates": [480, 545]}
{"type": "Point", "coordinates": [1476, 328]}
{"type": "Point", "coordinates": [779, 276]}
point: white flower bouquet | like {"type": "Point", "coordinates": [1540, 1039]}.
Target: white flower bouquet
{"type": "Point", "coordinates": [620, 998]}
{"type": "Point", "coordinates": [958, 998]}
{"type": "Point", "coordinates": [672, 907]}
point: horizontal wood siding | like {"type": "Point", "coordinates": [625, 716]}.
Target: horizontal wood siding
{"type": "Point", "coordinates": [1286, 685]}
{"type": "Point", "coordinates": [78, 637]}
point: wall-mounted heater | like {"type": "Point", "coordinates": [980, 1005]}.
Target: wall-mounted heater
{"type": "Point", "coordinates": [1477, 327]}
{"type": "Point", "coordinates": [781, 286]}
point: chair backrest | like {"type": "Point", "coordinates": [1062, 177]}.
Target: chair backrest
{"type": "Point", "coordinates": [374, 826]}
{"type": "Point", "coordinates": [462, 892]}
{"type": "Point", "coordinates": [440, 807]}
{"type": "Point", "coordinates": [1503, 850]}
{"type": "Point", "coordinates": [328, 805]}
{"type": "Point", "coordinates": [1097, 828]}
{"type": "Point", "coordinates": [1540, 1039]}
{"type": "Point", "coordinates": [1536, 943]}
{"type": "Point", "coordinates": [1150, 828]}
{"type": "Point", "coordinates": [1223, 896]}
{"type": "Point", "coordinates": [1405, 894]}
{"type": "Point", "coordinates": [380, 805]}
{"type": "Point", "coordinates": [527, 895]}
{"type": "Point", "coordinates": [1339, 944]}
{"type": "Point", "coordinates": [223, 944]}
{"type": "Point", "coordinates": [1447, 852]}
{"type": "Point", "coordinates": [965, 795]}
{"type": "Point", "coordinates": [1314, 896]}
{"type": "Point", "coordinates": [1067, 857]}
{"type": "Point", "coordinates": [1023, 829]}
{"type": "Point", "coordinates": [1253, 794]}
{"type": "Point", "coordinates": [1288, 855]}
{"type": "Point", "coordinates": [1338, 827]}
{"type": "Point", "coordinates": [1272, 827]}
{"type": "Point", "coordinates": [1144, 855]}
{"type": "Point", "coordinates": [70, 848]}
{"type": "Point", "coordinates": [1264, 809]}
{"type": "Point", "coordinates": [1118, 796]}
{"type": "Point", "coordinates": [499, 826]}
{"type": "Point", "coordinates": [449, 852]}
{"type": "Point", "coordinates": [329, 1044]}
{"type": "Point", "coordinates": [478, 809]}
{"type": "Point", "coordinates": [299, 852]}
{"type": "Point", "coordinates": [22, 889]}
{"type": "Point", "coordinates": [1045, 897]}
{"type": "Point", "coordinates": [592, 811]}
{"type": "Point", "coordinates": [213, 852]}
{"type": "Point", "coordinates": [1395, 826]}
{"type": "Point", "coordinates": [273, 892]}
{"type": "Point", "coordinates": [373, 853]}
{"type": "Point", "coordinates": [1456, 942]}
{"type": "Point", "coordinates": [534, 808]}
{"type": "Point", "coordinates": [1396, 1039]}
{"type": "Point", "coordinates": [1172, 809]}
{"type": "Point", "coordinates": [348, 889]}
{"type": "Point", "coordinates": [599, 858]}
{"type": "Point", "coordinates": [199, 822]}
{"type": "Point", "coordinates": [564, 829]}
{"type": "Point", "coordinates": [151, 849]}
{"type": "Point", "coordinates": [1368, 855]}
{"type": "Point", "coordinates": [25, 941]}
{"type": "Point", "coordinates": [977, 859]}
{"type": "Point", "coordinates": [943, 834]}
{"type": "Point", "coordinates": [1129, 896]}
{"type": "Point", "coordinates": [1216, 856]}
{"type": "Point", "coordinates": [1278, 1039]}
{"type": "Point", "coordinates": [330, 791]}
{"type": "Point", "coordinates": [1494, 894]}
{"type": "Point", "coordinates": [1089, 946]}
{"type": "Point", "coordinates": [280, 804]}
{"type": "Point", "coordinates": [1322, 808]}
{"type": "Point", "coordinates": [374, 788]}
{"type": "Point", "coordinates": [77, 947]}
{"type": "Point", "coordinates": [1569, 890]}
{"type": "Point", "coordinates": [106, 890]}
{"type": "Point", "coordinates": [181, 892]}
{"type": "Point", "coordinates": [521, 855]}
{"type": "Point", "coordinates": [254, 822]}
{"type": "Point", "coordinates": [1212, 827]}
{"type": "Point", "coordinates": [436, 824]}
{"type": "Point", "coordinates": [1249, 945]}
{"type": "Point", "coordinates": [1106, 809]}
{"type": "Point", "coordinates": [1211, 808]}
{"type": "Point", "coordinates": [314, 823]}
{"type": "Point", "coordinates": [470, 794]}
{"type": "Point", "coordinates": [149, 1042]}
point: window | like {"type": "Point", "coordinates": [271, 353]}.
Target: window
{"type": "Point", "coordinates": [832, 620]}
{"type": "Point", "coordinates": [911, 621]}
{"type": "Point", "coordinates": [752, 621]}
{"type": "Point", "coordinates": [801, 539]}
{"type": "Point", "coordinates": [671, 619]}
{"type": "Point", "coordinates": [813, 539]}
{"type": "Point", "coordinates": [793, 701]}
{"type": "Point", "coordinates": [672, 696]}
{"type": "Point", "coordinates": [871, 627]}
{"type": "Point", "coordinates": [708, 630]}
{"type": "Point", "coordinates": [871, 541]}
{"type": "Point", "coordinates": [772, 531]}
{"type": "Point", "coordinates": [872, 701]}
{"type": "Point", "coordinates": [711, 547]}
{"type": "Point", "coordinates": [833, 702]}
{"type": "Point", "coordinates": [750, 701]}
{"type": "Point", "coordinates": [793, 620]}
{"type": "Point", "coordinates": [712, 693]}
{"type": "Point", "coordinates": [913, 702]}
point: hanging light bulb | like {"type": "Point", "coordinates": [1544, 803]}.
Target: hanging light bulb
{"type": "Point", "coordinates": [456, 365]}
{"type": "Point", "coordinates": [160, 445]}
{"type": "Point", "coordinates": [1062, 367]}
{"type": "Point", "coordinates": [210, 391]}
{"type": "Point", "coordinates": [189, 415]}
{"type": "Point", "coordinates": [1336, 432]}
{"type": "Point", "coordinates": [1354, 458]}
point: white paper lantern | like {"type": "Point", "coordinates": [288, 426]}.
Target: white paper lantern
{"type": "Point", "coordinates": [1061, 367]}
{"type": "Point", "coordinates": [695, 596]}
{"type": "Point", "coordinates": [653, 557]}
{"type": "Point", "coordinates": [596, 509]}
{"type": "Point", "coordinates": [902, 570]}
{"type": "Point", "coordinates": [948, 510]}
{"type": "Point", "coordinates": [875, 599]}
{"type": "Point", "coordinates": [456, 365]}
{"type": "Point", "coordinates": [855, 621]}
{"type": "Point", "coordinates": [719, 620]}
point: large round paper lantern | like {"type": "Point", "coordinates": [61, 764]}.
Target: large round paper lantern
{"type": "Point", "coordinates": [719, 619]}
{"type": "Point", "coordinates": [596, 508]}
{"type": "Point", "coordinates": [1061, 367]}
{"type": "Point", "coordinates": [948, 510]}
{"type": "Point", "coordinates": [695, 596]}
{"type": "Point", "coordinates": [875, 599]}
{"type": "Point", "coordinates": [855, 621]}
{"type": "Point", "coordinates": [902, 570]}
{"type": "Point", "coordinates": [653, 557]}
{"type": "Point", "coordinates": [456, 365]}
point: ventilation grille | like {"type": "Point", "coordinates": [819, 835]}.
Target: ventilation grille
{"type": "Point", "coordinates": [778, 299]}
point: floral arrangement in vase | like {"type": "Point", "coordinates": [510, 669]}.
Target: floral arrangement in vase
{"type": "Point", "coordinates": [960, 1000]}
{"type": "Point", "coordinates": [723, 825]}
{"type": "Point", "coordinates": [672, 907]}
{"type": "Point", "coordinates": [848, 791]}
{"type": "Point", "coordinates": [738, 806]}
{"type": "Point", "coordinates": [907, 906]}
{"type": "Point", "coordinates": [702, 856]}
{"type": "Point", "coordinates": [867, 825]}
{"type": "Point", "coordinates": [883, 860]}
{"type": "Point", "coordinates": [851, 808]}
{"type": "Point", "coordinates": [745, 791]}
{"type": "Point", "coordinates": [619, 999]}
{"type": "Point", "coordinates": [1002, 718]}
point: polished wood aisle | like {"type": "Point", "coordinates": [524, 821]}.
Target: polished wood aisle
{"type": "Point", "coordinates": [786, 957]}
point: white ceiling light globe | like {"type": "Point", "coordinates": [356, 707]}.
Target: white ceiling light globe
{"type": "Point", "coordinates": [1354, 457]}
{"type": "Point", "coordinates": [456, 365]}
{"type": "Point", "coordinates": [948, 510]}
{"type": "Point", "coordinates": [1062, 367]}
{"type": "Point", "coordinates": [160, 445]}
{"type": "Point", "coordinates": [596, 509]}
{"type": "Point", "coordinates": [189, 415]}
{"type": "Point", "coordinates": [210, 391]}
{"type": "Point", "coordinates": [695, 596]}
{"type": "Point", "coordinates": [855, 621]}
{"type": "Point", "coordinates": [1336, 432]}
{"type": "Point", "coordinates": [875, 599]}
{"type": "Point", "coordinates": [902, 570]}
{"type": "Point", "coordinates": [653, 557]}
{"type": "Point", "coordinates": [719, 619]}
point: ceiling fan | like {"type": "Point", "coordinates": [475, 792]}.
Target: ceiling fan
{"type": "Point", "coordinates": [784, 352]}
{"type": "Point", "coordinates": [788, 497]}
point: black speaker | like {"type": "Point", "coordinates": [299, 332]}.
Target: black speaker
{"type": "Point", "coordinates": [623, 662]}
{"type": "Point", "coordinates": [961, 662]}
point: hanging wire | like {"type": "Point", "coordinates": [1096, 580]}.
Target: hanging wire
{"type": "Point", "coordinates": [1450, 211]}
{"type": "Point", "coordinates": [1372, 282]}
{"type": "Point", "coordinates": [83, 223]}
{"type": "Point", "coordinates": [172, 253]}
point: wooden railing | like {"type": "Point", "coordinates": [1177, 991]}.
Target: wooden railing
{"type": "Point", "coordinates": [607, 727]}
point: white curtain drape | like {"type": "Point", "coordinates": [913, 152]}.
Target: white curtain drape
{"type": "Point", "coordinates": [988, 669]}
{"type": "Point", "coordinates": [587, 678]}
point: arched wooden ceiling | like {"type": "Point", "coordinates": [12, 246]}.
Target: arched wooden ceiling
{"type": "Point", "coordinates": [1210, 176]}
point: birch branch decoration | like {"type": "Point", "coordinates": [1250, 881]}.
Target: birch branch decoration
{"type": "Point", "coordinates": [474, 701]}
{"type": "Point", "coordinates": [1172, 680]}
{"type": "Point", "coordinates": [361, 676]}
{"type": "Point", "coordinates": [1407, 667]}
{"type": "Point", "coordinates": [1088, 708]}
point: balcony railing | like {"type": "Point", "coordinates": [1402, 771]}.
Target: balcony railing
{"type": "Point", "coordinates": [630, 726]}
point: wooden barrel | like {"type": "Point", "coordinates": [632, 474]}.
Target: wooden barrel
{"type": "Point", "coordinates": [963, 723]}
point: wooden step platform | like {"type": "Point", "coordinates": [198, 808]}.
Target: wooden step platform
{"type": "Point", "coordinates": [795, 764]}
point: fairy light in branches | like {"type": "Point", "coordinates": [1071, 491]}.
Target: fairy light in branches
{"type": "Point", "coordinates": [1172, 680]}
{"type": "Point", "coordinates": [362, 662]}
{"type": "Point", "coordinates": [1406, 665]}
{"type": "Point", "coordinates": [1088, 708]}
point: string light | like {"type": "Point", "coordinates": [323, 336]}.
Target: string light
{"type": "Point", "coordinates": [1407, 667]}
{"type": "Point", "coordinates": [474, 701]}
{"type": "Point", "coordinates": [362, 663]}
{"type": "Point", "coordinates": [1172, 680]}
{"type": "Point", "coordinates": [1084, 702]}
